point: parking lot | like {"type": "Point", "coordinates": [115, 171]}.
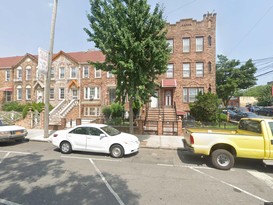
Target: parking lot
{"type": "Point", "coordinates": [37, 173]}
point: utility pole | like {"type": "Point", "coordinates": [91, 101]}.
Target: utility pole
{"type": "Point", "coordinates": [47, 77]}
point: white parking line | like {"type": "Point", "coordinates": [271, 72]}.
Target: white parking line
{"type": "Point", "coordinates": [263, 177]}
{"type": "Point", "coordinates": [15, 152]}
{"type": "Point", "coordinates": [184, 166]}
{"type": "Point", "coordinates": [4, 201]}
{"type": "Point", "coordinates": [6, 155]}
{"type": "Point", "coordinates": [88, 158]}
{"type": "Point", "coordinates": [106, 183]}
{"type": "Point", "coordinates": [228, 184]}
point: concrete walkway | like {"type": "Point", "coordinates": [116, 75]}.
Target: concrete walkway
{"type": "Point", "coordinates": [149, 141]}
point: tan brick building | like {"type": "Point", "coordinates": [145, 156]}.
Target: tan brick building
{"type": "Point", "coordinates": [191, 69]}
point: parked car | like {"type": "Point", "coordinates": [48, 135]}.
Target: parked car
{"type": "Point", "coordinates": [240, 115]}
{"type": "Point", "coordinates": [265, 111]}
{"type": "Point", "coordinates": [12, 132]}
{"type": "Point", "coordinates": [98, 138]}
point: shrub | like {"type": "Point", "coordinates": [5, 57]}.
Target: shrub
{"type": "Point", "coordinates": [117, 110]}
{"type": "Point", "coordinates": [107, 111]}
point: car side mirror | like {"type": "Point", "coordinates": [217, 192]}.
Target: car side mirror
{"type": "Point", "coordinates": [102, 135]}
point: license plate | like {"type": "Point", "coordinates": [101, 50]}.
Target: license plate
{"type": "Point", "coordinates": [18, 132]}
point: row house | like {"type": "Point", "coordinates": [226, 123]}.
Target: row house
{"type": "Point", "coordinates": [191, 69]}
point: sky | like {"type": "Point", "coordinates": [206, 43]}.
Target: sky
{"type": "Point", "coordinates": [244, 28]}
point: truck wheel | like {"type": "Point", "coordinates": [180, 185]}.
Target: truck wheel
{"type": "Point", "coordinates": [222, 159]}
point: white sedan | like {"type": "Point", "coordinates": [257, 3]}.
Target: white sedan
{"type": "Point", "coordinates": [12, 132]}
{"type": "Point", "coordinates": [95, 138]}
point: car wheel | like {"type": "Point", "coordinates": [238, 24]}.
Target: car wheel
{"type": "Point", "coordinates": [117, 151]}
{"type": "Point", "coordinates": [222, 159]}
{"type": "Point", "coordinates": [65, 147]}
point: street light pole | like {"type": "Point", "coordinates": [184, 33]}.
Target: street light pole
{"type": "Point", "coordinates": [47, 77]}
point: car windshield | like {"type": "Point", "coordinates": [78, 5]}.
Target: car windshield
{"type": "Point", "coordinates": [110, 130]}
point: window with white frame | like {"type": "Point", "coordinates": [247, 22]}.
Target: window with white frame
{"type": "Point", "coordinates": [97, 73]}
{"type": "Point", "coordinates": [169, 73]}
{"type": "Point", "coordinates": [110, 74]}
{"type": "Point", "coordinates": [189, 94]}
{"type": "Point", "coordinates": [19, 73]}
{"type": "Point", "coordinates": [28, 92]}
{"type": "Point", "coordinates": [199, 70]}
{"type": "Point", "coordinates": [7, 76]}
{"type": "Point", "coordinates": [61, 72]}
{"type": "Point", "coordinates": [61, 93]}
{"type": "Point", "coordinates": [186, 70]}
{"type": "Point", "coordinates": [186, 45]}
{"type": "Point", "coordinates": [92, 111]}
{"type": "Point", "coordinates": [199, 42]}
{"type": "Point", "coordinates": [37, 74]}
{"type": "Point", "coordinates": [19, 92]}
{"type": "Point", "coordinates": [28, 73]}
{"type": "Point", "coordinates": [170, 45]}
{"type": "Point", "coordinates": [51, 94]}
{"type": "Point", "coordinates": [91, 93]}
{"type": "Point", "coordinates": [52, 73]}
{"type": "Point", "coordinates": [86, 72]}
{"type": "Point", "coordinates": [73, 72]}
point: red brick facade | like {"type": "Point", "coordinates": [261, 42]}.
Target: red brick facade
{"type": "Point", "coordinates": [191, 69]}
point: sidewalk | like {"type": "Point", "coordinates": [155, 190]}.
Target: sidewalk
{"type": "Point", "coordinates": [148, 141]}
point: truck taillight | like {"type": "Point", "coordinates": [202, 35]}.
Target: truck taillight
{"type": "Point", "coordinates": [191, 139]}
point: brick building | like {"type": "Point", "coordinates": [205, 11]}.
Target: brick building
{"type": "Point", "coordinates": [83, 90]}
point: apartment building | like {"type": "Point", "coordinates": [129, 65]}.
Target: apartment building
{"type": "Point", "coordinates": [191, 69]}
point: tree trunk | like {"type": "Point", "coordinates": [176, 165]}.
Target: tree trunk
{"type": "Point", "coordinates": [131, 115]}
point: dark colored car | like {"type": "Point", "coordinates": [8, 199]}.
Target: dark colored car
{"type": "Point", "coordinates": [265, 111]}
{"type": "Point", "coordinates": [240, 115]}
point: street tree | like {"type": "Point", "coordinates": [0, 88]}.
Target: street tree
{"type": "Point", "coordinates": [133, 40]}
{"type": "Point", "coordinates": [232, 76]}
{"type": "Point", "coordinates": [205, 107]}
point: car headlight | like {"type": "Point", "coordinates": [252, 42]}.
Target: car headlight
{"type": "Point", "coordinates": [4, 133]}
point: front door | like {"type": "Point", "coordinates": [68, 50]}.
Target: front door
{"type": "Point", "coordinates": [39, 96]}
{"type": "Point", "coordinates": [154, 100]}
{"type": "Point", "coordinates": [168, 98]}
{"type": "Point", "coordinates": [74, 94]}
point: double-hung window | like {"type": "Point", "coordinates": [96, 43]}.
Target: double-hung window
{"type": "Point", "coordinates": [19, 92]}
{"type": "Point", "coordinates": [61, 72]}
{"type": "Point", "coordinates": [19, 74]}
{"type": "Point", "coordinates": [189, 94]}
{"type": "Point", "coordinates": [199, 42]}
{"type": "Point", "coordinates": [28, 73]}
{"type": "Point", "coordinates": [61, 93]}
{"type": "Point", "coordinates": [186, 70]}
{"type": "Point", "coordinates": [7, 77]}
{"type": "Point", "coordinates": [51, 94]}
{"type": "Point", "coordinates": [186, 45]}
{"type": "Point", "coordinates": [199, 69]}
{"type": "Point", "coordinates": [97, 73]}
{"type": "Point", "coordinates": [85, 72]}
{"type": "Point", "coordinates": [169, 73]}
{"type": "Point", "coordinates": [73, 72]}
{"type": "Point", "coordinates": [28, 92]}
{"type": "Point", "coordinates": [92, 93]}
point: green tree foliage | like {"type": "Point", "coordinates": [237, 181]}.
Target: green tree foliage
{"type": "Point", "coordinates": [133, 40]}
{"type": "Point", "coordinates": [265, 96]}
{"type": "Point", "coordinates": [231, 76]}
{"type": "Point", "coordinates": [205, 108]}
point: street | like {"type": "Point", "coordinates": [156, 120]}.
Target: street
{"type": "Point", "coordinates": [37, 173]}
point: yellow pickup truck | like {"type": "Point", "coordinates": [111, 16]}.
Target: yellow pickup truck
{"type": "Point", "coordinates": [253, 139]}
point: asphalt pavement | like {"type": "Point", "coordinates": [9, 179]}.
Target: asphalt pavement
{"type": "Point", "coordinates": [149, 141]}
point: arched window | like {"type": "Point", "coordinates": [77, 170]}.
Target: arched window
{"type": "Point", "coordinates": [28, 92]}
{"type": "Point", "coordinates": [19, 92]}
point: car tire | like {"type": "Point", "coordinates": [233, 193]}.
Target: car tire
{"type": "Point", "coordinates": [65, 147]}
{"type": "Point", "coordinates": [116, 151]}
{"type": "Point", "coordinates": [222, 159]}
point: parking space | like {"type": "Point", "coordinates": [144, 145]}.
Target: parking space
{"type": "Point", "coordinates": [37, 173]}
